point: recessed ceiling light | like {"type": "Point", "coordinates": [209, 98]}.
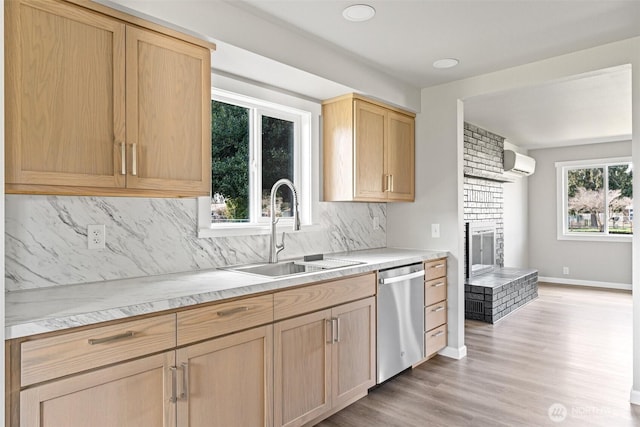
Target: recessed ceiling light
{"type": "Point", "coordinates": [445, 63]}
{"type": "Point", "coordinates": [358, 12]}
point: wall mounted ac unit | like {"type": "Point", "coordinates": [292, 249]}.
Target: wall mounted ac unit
{"type": "Point", "coordinates": [518, 164]}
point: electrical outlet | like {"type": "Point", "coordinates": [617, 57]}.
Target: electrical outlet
{"type": "Point", "coordinates": [435, 231]}
{"type": "Point", "coordinates": [96, 236]}
{"type": "Point", "coordinates": [376, 223]}
{"type": "Point", "coordinates": [565, 270]}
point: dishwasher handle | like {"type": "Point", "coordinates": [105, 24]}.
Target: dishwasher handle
{"type": "Point", "coordinates": [402, 278]}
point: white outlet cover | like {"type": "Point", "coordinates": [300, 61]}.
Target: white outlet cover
{"type": "Point", "coordinates": [96, 236]}
{"type": "Point", "coordinates": [376, 223]}
{"type": "Point", "coordinates": [435, 231]}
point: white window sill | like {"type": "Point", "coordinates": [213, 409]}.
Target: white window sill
{"type": "Point", "coordinates": [587, 237]}
{"type": "Point", "coordinates": [252, 230]}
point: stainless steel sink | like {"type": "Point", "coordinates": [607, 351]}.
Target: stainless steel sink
{"type": "Point", "coordinates": [275, 270]}
{"type": "Point", "coordinates": [289, 268]}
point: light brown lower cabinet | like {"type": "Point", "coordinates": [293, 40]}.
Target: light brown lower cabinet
{"type": "Point", "coordinates": [130, 394]}
{"type": "Point", "coordinates": [218, 365]}
{"type": "Point", "coordinates": [227, 381]}
{"type": "Point", "coordinates": [222, 382]}
{"type": "Point", "coordinates": [323, 360]}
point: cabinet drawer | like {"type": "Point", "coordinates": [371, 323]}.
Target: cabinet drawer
{"type": "Point", "coordinates": [435, 340]}
{"type": "Point", "coordinates": [220, 319]}
{"type": "Point", "coordinates": [435, 291]}
{"type": "Point", "coordinates": [316, 297]}
{"type": "Point", "coordinates": [435, 315]}
{"type": "Point", "coordinates": [53, 357]}
{"type": "Point", "coordinates": [435, 269]}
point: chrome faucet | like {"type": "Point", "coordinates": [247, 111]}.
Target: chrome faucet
{"type": "Point", "coordinates": [274, 247]}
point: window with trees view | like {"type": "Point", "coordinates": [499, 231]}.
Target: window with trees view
{"type": "Point", "coordinates": [253, 144]}
{"type": "Point", "coordinates": [596, 198]}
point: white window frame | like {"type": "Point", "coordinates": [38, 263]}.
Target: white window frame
{"type": "Point", "coordinates": [302, 178]}
{"type": "Point", "coordinates": [562, 173]}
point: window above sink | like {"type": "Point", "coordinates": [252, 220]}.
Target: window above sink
{"type": "Point", "coordinates": [267, 129]}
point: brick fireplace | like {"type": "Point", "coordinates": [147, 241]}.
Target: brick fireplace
{"type": "Point", "coordinates": [491, 291]}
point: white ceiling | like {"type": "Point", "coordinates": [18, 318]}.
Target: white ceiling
{"type": "Point", "coordinates": [591, 108]}
{"type": "Point", "coordinates": [406, 36]}
{"type": "Point", "coordinates": [307, 47]}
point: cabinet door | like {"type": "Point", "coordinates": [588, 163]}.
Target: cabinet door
{"type": "Point", "coordinates": [168, 114]}
{"type": "Point", "coordinates": [302, 380]}
{"type": "Point", "coordinates": [400, 156]}
{"type": "Point", "coordinates": [229, 381]}
{"type": "Point", "coordinates": [131, 394]}
{"type": "Point", "coordinates": [369, 174]}
{"type": "Point", "coordinates": [353, 354]}
{"type": "Point", "coordinates": [65, 85]}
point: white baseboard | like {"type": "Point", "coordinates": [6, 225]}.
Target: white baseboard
{"type": "Point", "coordinates": [635, 397]}
{"type": "Point", "coordinates": [454, 353]}
{"type": "Point", "coordinates": [590, 283]}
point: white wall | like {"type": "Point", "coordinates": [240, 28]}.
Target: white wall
{"type": "Point", "coordinates": [439, 160]}
{"type": "Point", "coordinates": [608, 263]}
{"type": "Point", "coordinates": [516, 217]}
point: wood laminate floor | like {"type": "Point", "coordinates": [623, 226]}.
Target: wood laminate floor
{"type": "Point", "coordinates": [571, 347]}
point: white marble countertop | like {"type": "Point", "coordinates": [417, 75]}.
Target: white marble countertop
{"type": "Point", "coordinates": [37, 311]}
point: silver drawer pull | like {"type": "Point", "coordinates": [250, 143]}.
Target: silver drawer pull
{"type": "Point", "coordinates": [123, 158]}
{"type": "Point", "coordinates": [437, 285]}
{"type": "Point", "coordinates": [94, 341]}
{"type": "Point", "coordinates": [134, 159]}
{"type": "Point", "coordinates": [173, 398]}
{"type": "Point", "coordinates": [438, 266]}
{"type": "Point", "coordinates": [233, 311]}
{"type": "Point", "coordinates": [184, 394]}
{"type": "Point", "coordinates": [437, 334]}
{"type": "Point", "coordinates": [435, 310]}
{"type": "Point", "coordinates": [329, 324]}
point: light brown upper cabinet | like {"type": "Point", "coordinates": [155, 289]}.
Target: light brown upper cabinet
{"type": "Point", "coordinates": [99, 105]}
{"type": "Point", "coordinates": [369, 151]}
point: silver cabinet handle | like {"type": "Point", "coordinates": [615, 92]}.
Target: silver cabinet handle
{"type": "Point", "coordinates": [437, 334]}
{"type": "Point", "coordinates": [184, 393]}
{"type": "Point", "coordinates": [438, 266]}
{"type": "Point", "coordinates": [123, 158]}
{"type": "Point", "coordinates": [124, 335]}
{"type": "Point", "coordinates": [232, 311]}
{"type": "Point", "coordinates": [134, 159]}
{"type": "Point", "coordinates": [437, 285]}
{"type": "Point", "coordinates": [329, 339]}
{"type": "Point", "coordinates": [173, 398]}
{"type": "Point", "coordinates": [391, 186]}
{"type": "Point", "coordinates": [435, 310]}
{"type": "Point", "coordinates": [337, 329]}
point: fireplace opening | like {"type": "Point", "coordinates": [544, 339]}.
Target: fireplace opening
{"type": "Point", "coordinates": [481, 248]}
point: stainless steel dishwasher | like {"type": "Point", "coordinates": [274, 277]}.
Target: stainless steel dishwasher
{"type": "Point", "coordinates": [400, 338]}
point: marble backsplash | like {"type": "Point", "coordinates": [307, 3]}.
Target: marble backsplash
{"type": "Point", "coordinates": [46, 238]}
